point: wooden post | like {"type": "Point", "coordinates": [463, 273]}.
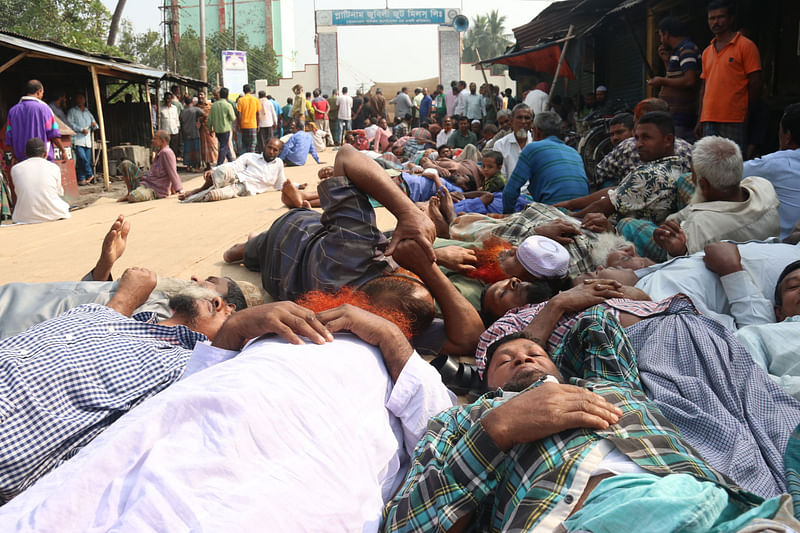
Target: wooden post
{"type": "Point", "coordinates": [103, 149]}
{"type": "Point", "coordinates": [14, 60]}
{"type": "Point", "coordinates": [150, 108]}
{"type": "Point", "coordinates": [486, 81]}
{"type": "Point", "coordinates": [558, 67]}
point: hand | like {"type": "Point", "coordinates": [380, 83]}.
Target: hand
{"type": "Point", "coordinates": [723, 258]}
{"type": "Point", "coordinates": [134, 288]}
{"type": "Point", "coordinates": [664, 53]}
{"type": "Point", "coordinates": [94, 124]}
{"type": "Point", "coordinates": [566, 204]}
{"type": "Point", "coordinates": [671, 238]}
{"type": "Point", "coordinates": [457, 196]}
{"type": "Point", "coordinates": [545, 410]}
{"type": "Point", "coordinates": [698, 130]}
{"type": "Point", "coordinates": [373, 330]}
{"type": "Point", "coordinates": [414, 225]}
{"type": "Point", "coordinates": [596, 222]}
{"type": "Point", "coordinates": [286, 319]}
{"type": "Point", "coordinates": [457, 258]}
{"type": "Point", "coordinates": [558, 230]}
{"type": "Point", "coordinates": [84, 131]}
{"type": "Point", "coordinates": [590, 292]}
{"type": "Point", "coordinates": [409, 256]}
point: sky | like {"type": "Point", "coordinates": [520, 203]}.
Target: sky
{"type": "Point", "coordinates": [364, 52]}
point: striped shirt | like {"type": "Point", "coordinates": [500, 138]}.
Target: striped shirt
{"type": "Point", "coordinates": [458, 470]}
{"type": "Point", "coordinates": [62, 382]}
{"type": "Point", "coordinates": [554, 173]}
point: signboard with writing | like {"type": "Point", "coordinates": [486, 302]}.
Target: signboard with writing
{"type": "Point", "coordinates": [355, 17]}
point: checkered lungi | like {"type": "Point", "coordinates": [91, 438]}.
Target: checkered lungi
{"type": "Point", "coordinates": [249, 139]}
{"type": "Point", "coordinates": [136, 191]}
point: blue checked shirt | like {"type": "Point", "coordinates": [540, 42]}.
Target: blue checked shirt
{"type": "Point", "coordinates": [63, 381]}
{"type": "Point", "coordinates": [457, 469]}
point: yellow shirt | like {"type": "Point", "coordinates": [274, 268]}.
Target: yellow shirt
{"type": "Point", "coordinates": [248, 106]}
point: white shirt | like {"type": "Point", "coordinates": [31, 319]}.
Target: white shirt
{"type": "Point", "coordinates": [278, 437]}
{"type": "Point", "coordinates": [740, 299]}
{"type": "Point", "coordinates": [257, 175]}
{"type": "Point", "coordinates": [266, 115]}
{"type": "Point", "coordinates": [168, 119]}
{"type": "Point", "coordinates": [782, 169]}
{"type": "Point", "coordinates": [509, 147]}
{"type": "Point", "coordinates": [345, 103]}
{"type": "Point", "coordinates": [443, 137]}
{"type": "Point", "coordinates": [461, 102]}
{"type": "Point", "coordinates": [754, 219]}
{"type": "Point", "coordinates": [37, 182]}
{"type": "Point", "coordinates": [370, 131]}
{"type": "Point", "coordinates": [537, 100]}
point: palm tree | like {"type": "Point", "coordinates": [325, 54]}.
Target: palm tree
{"type": "Point", "coordinates": [485, 34]}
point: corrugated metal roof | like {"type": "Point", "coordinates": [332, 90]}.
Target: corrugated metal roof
{"type": "Point", "coordinates": [53, 50]}
{"type": "Point", "coordinates": [553, 22]}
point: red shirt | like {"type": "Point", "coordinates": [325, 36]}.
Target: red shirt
{"type": "Point", "coordinates": [320, 106]}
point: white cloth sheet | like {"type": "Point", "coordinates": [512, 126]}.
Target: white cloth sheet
{"type": "Point", "coordinates": [277, 438]}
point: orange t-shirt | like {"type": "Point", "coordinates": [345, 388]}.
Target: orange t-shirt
{"type": "Point", "coordinates": [725, 74]}
{"type": "Point", "coordinates": [248, 106]}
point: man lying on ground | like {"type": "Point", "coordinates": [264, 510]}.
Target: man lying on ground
{"type": "Point", "coordinates": [234, 445]}
{"type": "Point", "coordinates": [304, 251]}
{"type": "Point", "coordinates": [23, 305]}
{"type": "Point", "coordinates": [160, 181]}
{"type": "Point", "coordinates": [734, 284]}
{"type": "Point", "coordinates": [71, 376]}
{"type": "Point", "coordinates": [690, 364]}
{"type": "Point", "coordinates": [577, 456]}
{"type": "Point", "coordinates": [250, 173]}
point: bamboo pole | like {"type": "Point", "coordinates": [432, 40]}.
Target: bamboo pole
{"type": "Point", "coordinates": [558, 67]}
{"type": "Point", "coordinates": [13, 61]}
{"type": "Point", "coordinates": [486, 81]}
{"type": "Point", "coordinates": [103, 148]}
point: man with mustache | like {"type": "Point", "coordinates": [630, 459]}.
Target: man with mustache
{"type": "Point", "coordinates": [512, 144]}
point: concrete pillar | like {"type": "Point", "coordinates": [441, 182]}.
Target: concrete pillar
{"type": "Point", "coordinates": [449, 55]}
{"type": "Point", "coordinates": [327, 42]}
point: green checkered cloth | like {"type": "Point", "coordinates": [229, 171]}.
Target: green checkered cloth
{"type": "Point", "coordinates": [457, 469]}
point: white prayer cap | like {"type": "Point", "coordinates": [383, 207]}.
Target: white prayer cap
{"type": "Point", "coordinates": [601, 89]}
{"type": "Point", "coordinates": [543, 257]}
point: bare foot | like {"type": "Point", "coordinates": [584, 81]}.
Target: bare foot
{"type": "Point", "coordinates": [302, 186]}
{"type": "Point", "coordinates": [112, 249]}
{"type": "Point", "coordinates": [446, 205]}
{"type": "Point", "coordinates": [234, 254]}
{"type": "Point", "coordinates": [290, 196]}
{"type": "Point", "coordinates": [435, 214]}
{"type": "Point", "coordinates": [307, 204]}
{"type": "Point", "coordinates": [123, 199]}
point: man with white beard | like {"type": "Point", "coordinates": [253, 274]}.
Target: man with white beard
{"type": "Point", "coordinates": [512, 144]}
{"type": "Point", "coordinates": [724, 206]}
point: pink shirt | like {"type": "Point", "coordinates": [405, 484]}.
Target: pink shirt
{"type": "Point", "coordinates": [163, 173]}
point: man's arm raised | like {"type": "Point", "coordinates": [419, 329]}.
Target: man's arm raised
{"type": "Point", "coordinates": [371, 179]}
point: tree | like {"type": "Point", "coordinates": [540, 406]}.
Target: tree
{"type": "Point", "coordinates": [79, 24]}
{"type": "Point", "coordinates": [262, 62]}
{"type": "Point", "coordinates": [115, 20]}
{"type": "Point", "coordinates": [145, 48]}
{"type": "Point", "coordinates": [485, 34]}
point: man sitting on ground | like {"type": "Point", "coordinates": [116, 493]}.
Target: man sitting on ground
{"type": "Point", "coordinates": [577, 456]}
{"type": "Point", "coordinates": [160, 181]}
{"type": "Point", "coordinates": [37, 183]}
{"type": "Point", "coordinates": [553, 171]}
{"type": "Point", "coordinates": [725, 207]}
{"type": "Point", "coordinates": [625, 157]}
{"type": "Point", "coordinates": [463, 136]}
{"type": "Point", "coordinates": [649, 191]}
{"type": "Point", "coordinates": [303, 251]}
{"type": "Point", "coordinates": [298, 146]}
{"type": "Point", "coordinates": [249, 174]}
{"type": "Point", "coordinates": [782, 168]}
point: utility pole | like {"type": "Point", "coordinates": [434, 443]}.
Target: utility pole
{"type": "Point", "coordinates": [233, 22]}
{"type": "Point", "coordinates": [203, 64]}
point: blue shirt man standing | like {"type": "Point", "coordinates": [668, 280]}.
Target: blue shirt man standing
{"type": "Point", "coordinates": [554, 171]}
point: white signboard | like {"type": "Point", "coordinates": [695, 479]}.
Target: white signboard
{"type": "Point", "coordinates": [234, 70]}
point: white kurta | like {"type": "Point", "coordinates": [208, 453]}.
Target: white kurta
{"type": "Point", "coordinates": [277, 438]}
{"type": "Point", "coordinates": [37, 183]}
